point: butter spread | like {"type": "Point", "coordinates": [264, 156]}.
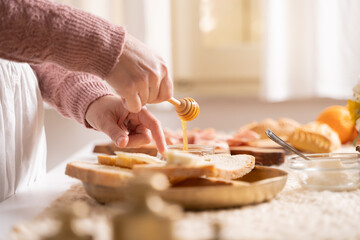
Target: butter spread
{"type": "Point", "coordinates": [329, 173]}
{"type": "Point", "coordinates": [176, 157]}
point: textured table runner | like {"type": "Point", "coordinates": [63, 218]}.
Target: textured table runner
{"type": "Point", "coordinates": [295, 213]}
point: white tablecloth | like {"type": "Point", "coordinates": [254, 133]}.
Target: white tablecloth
{"type": "Point", "coordinates": [25, 205]}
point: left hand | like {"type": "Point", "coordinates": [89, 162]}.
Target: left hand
{"type": "Point", "coordinates": [109, 115]}
{"type": "Point", "coordinates": [140, 76]}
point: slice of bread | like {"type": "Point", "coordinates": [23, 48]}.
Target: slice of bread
{"type": "Point", "coordinates": [128, 160]}
{"type": "Point", "coordinates": [231, 166]}
{"type": "Point", "coordinates": [98, 174]}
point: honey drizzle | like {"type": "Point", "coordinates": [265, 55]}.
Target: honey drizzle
{"type": "Point", "coordinates": [185, 138]}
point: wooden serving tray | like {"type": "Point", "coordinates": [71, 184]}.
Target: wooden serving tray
{"type": "Point", "coordinates": [261, 184]}
{"type": "Point", "coordinates": [263, 156]}
{"type": "Point", "coordinates": [111, 148]}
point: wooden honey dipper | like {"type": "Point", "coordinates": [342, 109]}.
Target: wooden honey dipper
{"type": "Point", "coordinates": [187, 108]}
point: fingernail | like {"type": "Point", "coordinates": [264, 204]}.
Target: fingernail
{"type": "Point", "coordinates": [119, 141]}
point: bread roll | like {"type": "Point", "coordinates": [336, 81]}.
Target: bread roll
{"type": "Point", "coordinates": [282, 127]}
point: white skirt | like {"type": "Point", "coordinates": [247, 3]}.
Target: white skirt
{"type": "Point", "coordinates": [22, 134]}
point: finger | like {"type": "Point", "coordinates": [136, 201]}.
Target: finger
{"type": "Point", "coordinates": [119, 135]}
{"type": "Point", "coordinates": [142, 136]}
{"type": "Point", "coordinates": [165, 90]}
{"type": "Point", "coordinates": [133, 103]}
{"type": "Point", "coordinates": [151, 123]}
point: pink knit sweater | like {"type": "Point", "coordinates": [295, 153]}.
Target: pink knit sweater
{"type": "Point", "coordinates": [70, 50]}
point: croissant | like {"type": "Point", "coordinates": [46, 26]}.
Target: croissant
{"type": "Point", "coordinates": [315, 137]}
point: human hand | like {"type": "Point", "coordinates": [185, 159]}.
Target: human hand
{"type": "Point", "coordinates": [140, 76]}
{"type": "Point", "coordinates": [108, 114]}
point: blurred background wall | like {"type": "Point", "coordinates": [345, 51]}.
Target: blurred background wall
{"type": "Point", "coordinates": [242, 60]}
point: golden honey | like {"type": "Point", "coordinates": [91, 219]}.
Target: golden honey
{"type": "Point", "coordinates": [185, 138]}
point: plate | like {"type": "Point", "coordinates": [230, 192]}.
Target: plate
{"type": "Point", "coordinates": [264, 183]}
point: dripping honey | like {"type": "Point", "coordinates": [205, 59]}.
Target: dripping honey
{"type": "Point", "coordinates": [185, 138]}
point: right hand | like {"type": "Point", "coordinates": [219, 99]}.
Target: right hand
{"type": "Point", "coordinates": [108, 114]}
{"type": "Point", "coordinates": [140, 76]}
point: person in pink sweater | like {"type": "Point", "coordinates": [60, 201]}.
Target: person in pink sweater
{"type": "Point", "coordinates": [75, 57]}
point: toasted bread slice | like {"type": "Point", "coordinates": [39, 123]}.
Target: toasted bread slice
{"type": "Point", "coordinates": [98, 174]}
{"type": "Point", "coordinates": [231, 166]}
{"type": "Point", "coordinates": [128, 160]}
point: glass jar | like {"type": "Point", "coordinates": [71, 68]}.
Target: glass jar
{"type": "Point", "coordinates": [330, 171]}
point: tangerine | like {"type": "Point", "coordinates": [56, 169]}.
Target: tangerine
{"type": "Point", "coordinates": [339, 119]}
{"type": "Point", "coordinates": [353, 136]}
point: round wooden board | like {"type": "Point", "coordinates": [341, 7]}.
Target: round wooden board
{"type": "Point", "coordinates": [264, 184]}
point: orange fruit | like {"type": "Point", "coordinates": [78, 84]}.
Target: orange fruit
{"type": "Point", "coordinates": [354, 135]}
{"type": "Point", "coordinates": [339, 119]}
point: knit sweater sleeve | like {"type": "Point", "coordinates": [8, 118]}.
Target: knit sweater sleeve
{"type": "Point", "coordinates": [70, 93]}
{"type": "Point", "coordinates": [37, 31]}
